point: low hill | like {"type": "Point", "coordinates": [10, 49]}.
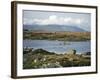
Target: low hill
{"type": "Point", "coordinates": [43, 52]}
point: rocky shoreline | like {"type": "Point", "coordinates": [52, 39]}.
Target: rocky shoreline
{"type": "Point", "coordinates": [39, 58]}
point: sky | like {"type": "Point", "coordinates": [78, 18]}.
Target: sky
{"type": "Point", "coordinates": [81, 20]}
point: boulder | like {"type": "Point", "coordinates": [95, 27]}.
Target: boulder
{"type": "Point", "coordinates": [87, 53]}
{"type": "Point", "coordinates": [72, 51]}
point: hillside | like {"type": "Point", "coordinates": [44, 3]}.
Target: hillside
{"type": "Point", "coordinates": [53, 28]}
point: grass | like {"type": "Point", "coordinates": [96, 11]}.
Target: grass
{"type": "Point", "coordinates": [40, 58]}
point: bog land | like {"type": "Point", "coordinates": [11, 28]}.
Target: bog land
{"type": "Point", "coordinates": [63, 36]}
{"type": "Point", "coordinates": [40, 58]}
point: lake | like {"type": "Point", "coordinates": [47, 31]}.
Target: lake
{"type": "Point", "coordinates": [58, 46]}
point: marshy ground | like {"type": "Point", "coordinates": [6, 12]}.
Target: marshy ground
{"type": "Point", "coordinates": [39, 58]}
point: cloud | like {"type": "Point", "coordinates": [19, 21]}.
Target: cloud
{"type": "Point", "coordinates": [28, 21]}
{"type": "Point", "coordinates": [53, 19]}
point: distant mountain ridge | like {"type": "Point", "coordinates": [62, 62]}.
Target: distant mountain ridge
{"type": "Point", "coordinates": [53, 28]}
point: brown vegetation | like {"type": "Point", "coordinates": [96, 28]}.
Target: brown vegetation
{"type": "Point", "coordinates": [69, 36]}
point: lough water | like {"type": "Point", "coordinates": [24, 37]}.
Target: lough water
{"type": "Point", "coordinates": [58, 46]}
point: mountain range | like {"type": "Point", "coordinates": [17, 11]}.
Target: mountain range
{"type": "Point", "coordinates": [53, 28]}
